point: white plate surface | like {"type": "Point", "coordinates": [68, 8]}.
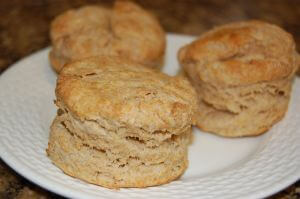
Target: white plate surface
{"type": "Point", "coordinates": [219, 167]}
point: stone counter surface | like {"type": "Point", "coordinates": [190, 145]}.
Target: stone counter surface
{"type": "Point", "coordinates": [24, 27]}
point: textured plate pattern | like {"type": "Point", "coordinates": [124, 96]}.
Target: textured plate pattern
{"type": "Point", "coordinates": [26, 111]}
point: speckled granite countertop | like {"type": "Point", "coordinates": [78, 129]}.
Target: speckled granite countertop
{"type": "Point", "coordinates": [24, 27]}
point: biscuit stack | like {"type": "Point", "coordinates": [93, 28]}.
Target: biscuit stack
{"type": "Point", "coordinates": [120, 124]}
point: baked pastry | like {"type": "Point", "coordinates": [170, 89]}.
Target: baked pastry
{"type": "Point", "coordinates": [127, 30]}
{"type": "Point", "coordinates": [120, 124]}
{"type": "Point", "coordinates": [243, 74]}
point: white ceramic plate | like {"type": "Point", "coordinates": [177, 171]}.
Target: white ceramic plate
{"type": "Point", "coordinates": [219, 167]}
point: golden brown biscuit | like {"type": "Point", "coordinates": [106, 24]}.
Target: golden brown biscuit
{"type": "Point", "coordinates": [127, 30]}
{"type": "Point", "coordinates": [120, 124]}
{"type": "Point", "coordinates": [242, 73]}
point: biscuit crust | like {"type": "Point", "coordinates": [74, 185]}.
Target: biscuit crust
{"type": "Point", "coordinates": [123, 91]}
{"type": "Point", "coordinates": [126, 30]}
{"type": "Point", "coordinates": [241, 53]}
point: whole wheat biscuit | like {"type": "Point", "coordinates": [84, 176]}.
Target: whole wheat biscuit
{"type": "Point", "coordinates": [121, 124]}
{"type": "Point", "coordinates": [127, 30]}
{"type": "Point", "coordinates": [243, 74]}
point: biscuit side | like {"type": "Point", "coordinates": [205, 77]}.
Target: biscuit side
{"type": "Point", "coordinates": [243, 111]}
{"type": "Point", "coordinates": [106, 158]}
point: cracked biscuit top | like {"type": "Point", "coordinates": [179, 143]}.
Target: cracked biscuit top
{"type": "Point", "coordinates": [126, 30]}
{"type": "Point", "coordinates": [241, 53]}
{"type": "Point", "coordinates": [127, 93]}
